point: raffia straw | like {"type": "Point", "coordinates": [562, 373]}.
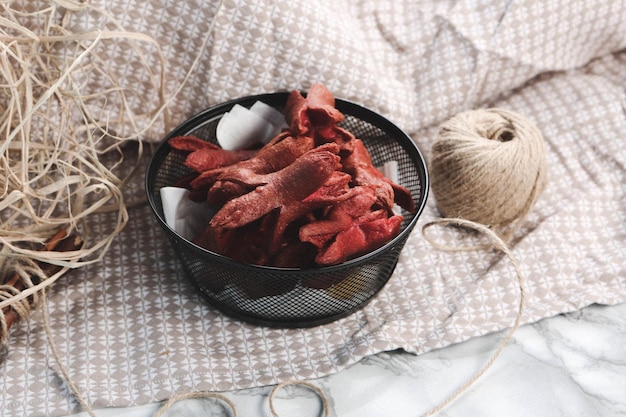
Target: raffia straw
{"type": "Point", "coordinates": [61, 147]}
{"type": "Point", "coordinates": [496, 243]}
{"type": "Point", "coordinates": [63, 152]}
{"type": "Point", "coordinates": [56, 259]}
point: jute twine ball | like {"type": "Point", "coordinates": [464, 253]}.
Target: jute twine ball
{"type": "Point", "coordinates": [488, 166]}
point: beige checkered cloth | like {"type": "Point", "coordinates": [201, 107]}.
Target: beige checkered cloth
{"type": "Point", "coordinates": [133, 330]}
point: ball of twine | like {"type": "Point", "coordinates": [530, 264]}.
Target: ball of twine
{"type": "Point", "coordinates": [488, 166]}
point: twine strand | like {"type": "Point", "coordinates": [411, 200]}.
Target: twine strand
{"type": "Point", "coordinates": [196, 395]}
{"type": "Point", "coordinates": [55, 353]}
{"type": "Point", "coordinates": [500, 245]}
{"type": "Point", "coordinates": [488, 168]}
{"type": "Point", "coordinates": [310, 386]}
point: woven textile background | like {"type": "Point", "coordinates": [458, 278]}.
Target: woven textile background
{"type": "Point", "coordinates": [133, 330]}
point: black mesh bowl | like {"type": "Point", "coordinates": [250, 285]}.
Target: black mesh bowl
{"type": "Point", "coordinates": [283, 297]}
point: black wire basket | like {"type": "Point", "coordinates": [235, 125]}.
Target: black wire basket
{"type": "Point", "coordinates": [292, 297]}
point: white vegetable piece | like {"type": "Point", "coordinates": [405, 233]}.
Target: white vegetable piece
{"type": "Point", "coordinates": [390, 170]}
{"type": "Point", "coordinates": [270, 114]}
{"type": "Point", "coordinates": [182, 214]}
{"type": "Point", "coordinates": [242, 127]}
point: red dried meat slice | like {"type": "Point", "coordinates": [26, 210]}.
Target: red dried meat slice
{"type": "Point", "coordinates": [316, 116]}
{"type": "Point", "coordinates": [351, 228]}
{"type": "Point", "coordinates": [280, 189]}
{"type": "Point", "coordinates": [206, 156]}
{"type": "Point", "coordinates": [228, 242]}
{"type": "Point", "coordinates": [334, 190]}
{"type": "Point", "coordinates": [315, 111]}
{"type": "Point", "coordinates": [366, 235]}
{"type": "Point", "coordinates": [340, 217]}
{"type": "Point", "coordinates": [276, 155]}
{"type": "Point", "coordinates": [280, 199]}
{"type": "Point", "coordinates": [359, 165]}
{"type": "Point", "coordinates": [283, 247]}
{"type": "Point", "coordinates": [190, 143]}
{"type": "Point", "coordinates": [294, 254]}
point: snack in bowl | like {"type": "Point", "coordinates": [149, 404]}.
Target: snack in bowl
{"type": "Point", "coordinates": [310, 196]}
{"type": "Point", "coordinates": [309, 230]}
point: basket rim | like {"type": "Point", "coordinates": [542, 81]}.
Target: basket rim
{"type": "Point", "coordinates": [279, 98]}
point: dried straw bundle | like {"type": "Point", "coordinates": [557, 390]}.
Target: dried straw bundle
{"type": "Point", "coordinates": [61, 144]}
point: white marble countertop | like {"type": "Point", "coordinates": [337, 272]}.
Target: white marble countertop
{"type": "Point", "coordinates": [568, 365]}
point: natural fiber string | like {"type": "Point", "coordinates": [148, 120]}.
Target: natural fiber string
{"type": "Point", "coordinates": [20, 306]}
{"type": "Point", "coordinates": [488, 166]}
{"type": "Point", "coordinates": [196, 395]}
{"type": "Point", "coordinates": [64, 372]}
{"type": "Point", "coordinates": [312, 387]}
{"type": "Point", "coordinates": [85, 404]}
{"type": "Point", "coordinates": [500, 245]}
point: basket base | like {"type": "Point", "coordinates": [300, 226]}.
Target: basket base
{"type": "Point", "coordinates": [299, 323]}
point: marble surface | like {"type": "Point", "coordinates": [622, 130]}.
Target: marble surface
{"type": "Point", "coordinates": [568, 365]}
